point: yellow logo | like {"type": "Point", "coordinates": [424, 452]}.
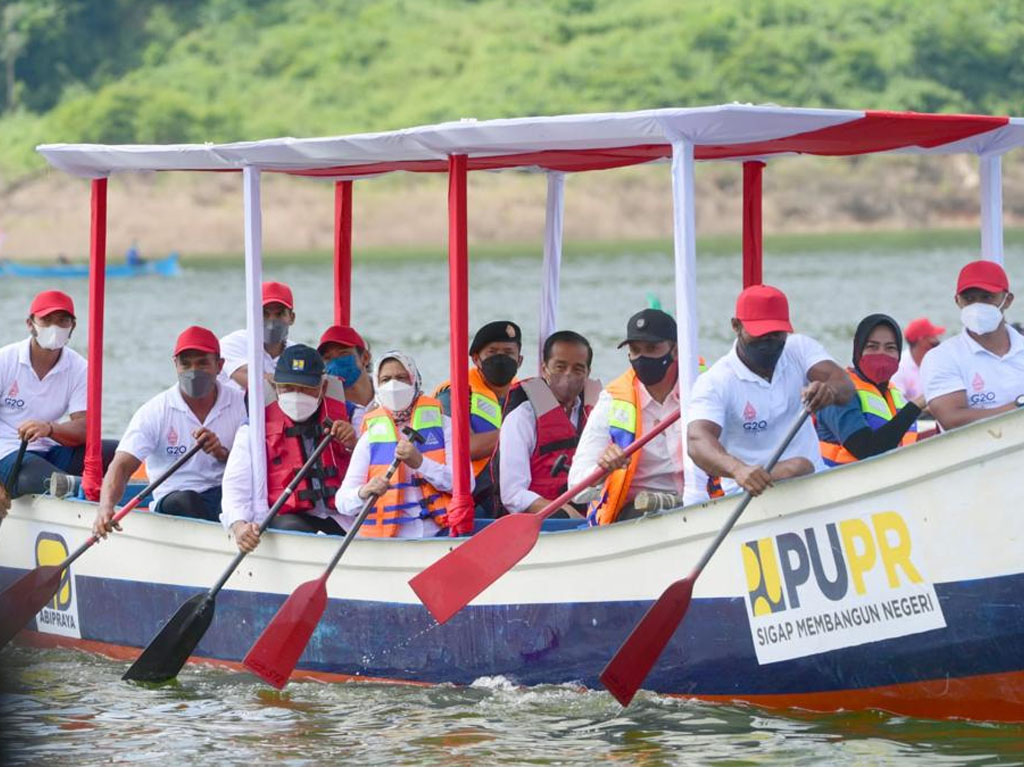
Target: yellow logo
{"type": "Point", "coordinates": [51, 549]}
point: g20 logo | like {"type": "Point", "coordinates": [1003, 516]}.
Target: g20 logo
{"type": "Point", "coordinates": [755, 426]}
{"type": "Point", "coordinates": [981, 398]}
{"type": "Point", "coordinates": [176, 450]}
{"type": "Point", "coordinates": [14, 402]}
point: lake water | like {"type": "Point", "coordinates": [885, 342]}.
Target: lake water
{"type": "Point", "coordinates": [67, 707]}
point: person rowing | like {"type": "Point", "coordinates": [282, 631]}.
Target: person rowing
{"type": "Point", "coordinates": [295, 423]}
{"type": "Point", "coordinates": [415, 504]}
{"type": "Point", "coordinates": [278, 318]}
{"type": "Point", "coordinates": [196, 409]}
{"type": "Point", "coordinates": [742, 407]}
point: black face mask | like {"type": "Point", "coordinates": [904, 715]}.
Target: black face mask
{"type": "Point", "coordinates": [651, 370]}
{"type": "Point", "coordinates": [763, 354]}
{"type": "Point", "coordinates": [499, 369]}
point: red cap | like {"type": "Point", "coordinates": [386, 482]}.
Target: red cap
{"type": "Point", "coordinates": [921, 328]}
{"type": "Point", "coordinates": [197, 338]}
{"type": "Point", "coordinates": [51, 301]}
{"type": "Point", "coordinates": [345, 335]}
{"type": "Point", "coordinates": [763, 309]}
{"type": "Point", "coordinates": [278, 292]}
{"type": "Point", "coordinates": [983, 274]}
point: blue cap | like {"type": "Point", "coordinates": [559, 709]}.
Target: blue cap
{"type": "Point", "coordinates": [301, 365]}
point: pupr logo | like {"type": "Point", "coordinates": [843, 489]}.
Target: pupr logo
{"type": "Point", "coordinates": [750, 421]}
{"type": "Point", "coordinates": [173, 449]}
{"type": "Point", "coordinates": [979, 397]}
{"type": "Point", "coordinates": [12, 400]}
{"type": "Point", "coordinates": [60, 615]}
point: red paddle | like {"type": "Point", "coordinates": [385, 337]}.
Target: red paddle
{"type": "Point", "coordinates": [277, 650]}
{"type": "Point", "coordinates": [449, 584]}
{"type": "Point", "coordinates": [630, 665]}
{"type": "Point", "coordinates": [28, 595]}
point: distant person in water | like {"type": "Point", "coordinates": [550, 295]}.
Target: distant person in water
{"type": "Point", "coordinates": [132, 257]}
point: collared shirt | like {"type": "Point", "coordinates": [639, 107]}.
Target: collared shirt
{"type": "Point", "coordinates": [237, 500]}
{"type": "Point", "coordinates": [516, 444]}
{"type": "Point", "coordinates": [438, 475]}
{"type": "Point", "coordinates": [908, 377]}
{"type": "Point", "coordinates": [754, 413]}
{"type": "Point", "coordinates": [160, 432]}
{"type": "Point", "coordinates": [961, 364]}
{"type": "Point", "coordinates": [661, 464]}
{"type": "Point", "coordinates": [234, 350]}
{"type": "Point", "coordinates": [26, 397]}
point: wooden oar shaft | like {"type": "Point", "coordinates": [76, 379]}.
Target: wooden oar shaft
{"type": "Point", "coordinates": [134, 502]}
{"type": "Point", "coordinates": [285, 495]}
{"type": "Point", "coordinates": [12, 479]}
{"type": "Point", "coordinates": [731, 521]}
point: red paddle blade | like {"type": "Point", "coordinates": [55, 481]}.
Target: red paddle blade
{"type": "Point", "coordinates": [449, 584]}
{"type": "Point", "coordinates": [276, 652]}
{"type": "Point", "coordinates": [25, 598]}
{"type": "Point", "coordinates": [629, 667]}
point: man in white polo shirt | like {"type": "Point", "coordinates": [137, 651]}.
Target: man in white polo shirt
{"type": "Point", "coordinates": [278, 317]}
{"type": "Point", "coordinates": [41, 380]}
{"type": "Point", "coordinates": [196, 409]}
{"type": "Point", "coordinates": [979, 372]}
{"type": "Point", "coordinates": [744, 404]}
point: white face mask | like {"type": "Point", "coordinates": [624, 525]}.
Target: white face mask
{"type": "Point", "coordinates": [52, 336]}
{"type": "Point", "coordinates": [395, 395]}
{"type": "Point", "coordinates": [982, 318]}
{"type": "Point", "coordinates": [298, 406]}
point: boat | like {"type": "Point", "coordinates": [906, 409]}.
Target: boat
{"type": "Point", "coordinates": [891, 583]}
{"type": "Point", "coordinates": [168, 266]}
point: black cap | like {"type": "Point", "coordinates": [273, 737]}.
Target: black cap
{"type": "Point", "coordinates": [301, 365]}
{"type": "Point", "coordinates": [650, 325]}
{"type": "Point", "coordinates": [499, 330]}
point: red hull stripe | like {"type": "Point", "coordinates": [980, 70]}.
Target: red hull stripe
{"type": "Point", "coordinates": [997, 698]}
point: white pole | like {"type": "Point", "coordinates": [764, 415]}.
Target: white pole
{"type": "Point", "coordinates": [555, 212]}
{"type": "Point", "coordinates": [254, 331]}
{"type": "Point", "coordinates": [685, 242]}
{"type": "Point", "coordinates": [991, 207]}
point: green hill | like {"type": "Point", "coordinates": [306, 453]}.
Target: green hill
{"type": "Point", "coordinates": [221, 70]}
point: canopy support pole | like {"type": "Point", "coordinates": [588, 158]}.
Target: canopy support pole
{"type": "Point", "coordinates": [685, 245]}
{"type": "Point", "coordinates": [254, 331]}
{"type": "Point", "coordinates": [92, 475]}
{"type": "Point", "coordinates": [461, 505]}
{"type": "Point", "coordinates": [991, 168]}
{"type": "Point", "coordinates": [343, 253]}
{"type": "Point", "coordinates": [551, 269]}
{"type": "Point", "coordinates": [752, 231]}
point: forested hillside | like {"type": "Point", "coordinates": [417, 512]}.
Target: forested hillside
{"type": "Point", "coordinates": [218, 70]}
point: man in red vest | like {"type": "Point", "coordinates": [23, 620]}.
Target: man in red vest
{"type": "Point", "coordinates": [540, 429]}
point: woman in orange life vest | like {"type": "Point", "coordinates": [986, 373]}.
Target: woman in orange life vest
{"type": "Point", "coordinates": [879, 418]}
{"type": "Point", "coordinates": [541, 426]}
{"type": "Point", "coordinates": [414, 503]}
{"type": "Point", "coordinates": [295, 423]}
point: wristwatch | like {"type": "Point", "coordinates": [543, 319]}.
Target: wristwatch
{"type": "Point", "coordinates": [1019, 401]}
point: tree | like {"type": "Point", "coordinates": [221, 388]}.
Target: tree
{"type": "Point", "coordinates": [18, 22]}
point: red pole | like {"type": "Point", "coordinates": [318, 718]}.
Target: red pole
{"type": "Point", "coordinates": [92, 476]}
{"type": "Point", "coordinates": [460, 511]}
{"type": "Point", "coordinates": [752, 234]}
{"type": "Point", "coordinates": [343, 253]}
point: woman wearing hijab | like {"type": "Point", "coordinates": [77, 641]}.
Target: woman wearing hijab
{"type": "Point", "coordinates": [879, 418]}
{"type": "Point", "coordinates": [413, 504]}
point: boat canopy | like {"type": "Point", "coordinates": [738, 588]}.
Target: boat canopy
{"type": "Point", "coordinates": [556, 145]}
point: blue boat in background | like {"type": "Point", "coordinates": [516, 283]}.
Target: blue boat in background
{"type": "Point", "coordinates": [168, 266]}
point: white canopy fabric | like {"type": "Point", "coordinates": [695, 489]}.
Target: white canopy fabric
{"type": "Point", "coordinates": [567, 142]}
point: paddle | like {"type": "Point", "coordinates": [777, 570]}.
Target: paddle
{"type": "Point", "coordinates": [277, 650]}
{"type": "Point", "coordinates": [449, 584]}
{"type": "Point", "coordinates": [168, 651]}
{"type": "Point", "coordinates": [12, 478]}
{"type": "Point", "coordinates": [629, 667]}
{"type": "Point", "coordinates": [28, 595]}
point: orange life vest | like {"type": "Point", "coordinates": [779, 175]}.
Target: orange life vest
{"type": "Point", "coordinates": [484, 410]}
{"type": "Point", "coordinates": [286, 453]}
{"type": "Point", "coordinates": [877, 410]}
{"type": "Point", "coordinates": [624, 426]}
{"type": "Point", "coordinates": [390, 511]}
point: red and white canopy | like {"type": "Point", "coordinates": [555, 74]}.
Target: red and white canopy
{"type": "Point", "coordinates": [569, 142]}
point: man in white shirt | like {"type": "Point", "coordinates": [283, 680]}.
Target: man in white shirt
{"type": "Point", "coordinates": [278, 318]}
{"type": "Point", "coordinates": [979, 372]}
{"type": "Point", "coordinates": [629, 406]}
{"type": "Point", "coordinates": [535, 453]}
{"type": "Point", "coordinates": [922, 336]}
{"type": "Point", "coordinates": [42, 380]}
{"type": "Point", "coordinates": [744, 404]}
{"type": "Point", "coordinates": [197, 408]}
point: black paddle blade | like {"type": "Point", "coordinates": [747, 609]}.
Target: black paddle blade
{"type": "Point", "coordinates": [25, 598]}
{"type": "Point", "coordinates": [167, 653]}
